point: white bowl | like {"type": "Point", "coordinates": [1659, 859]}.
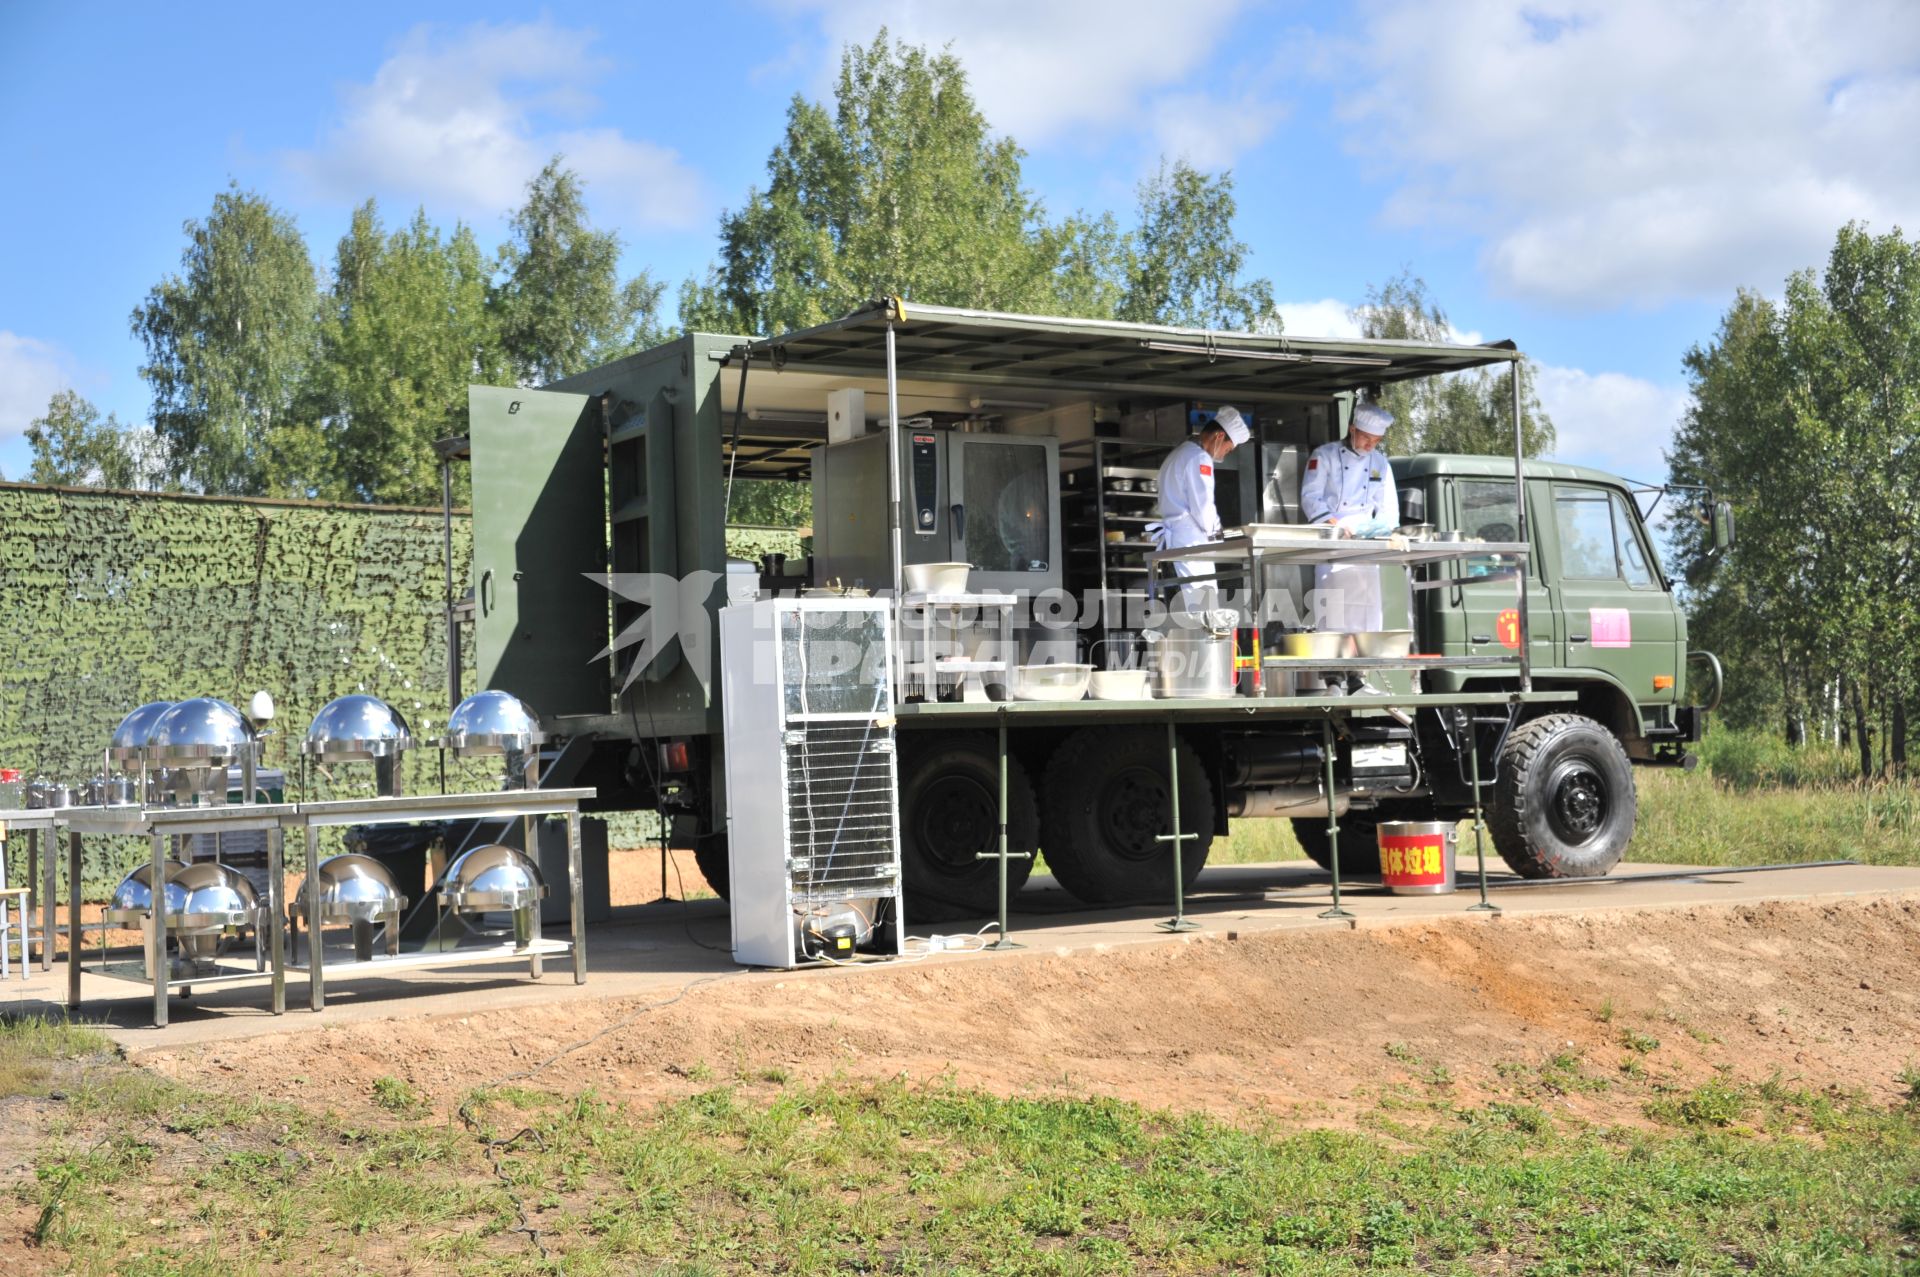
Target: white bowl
{"type": "Point", "coordinates": [1051, 682]}
{"type": "Point", "coordinates": [1121, 685]}
{"type": "Point", "coordinates": [936, 578]}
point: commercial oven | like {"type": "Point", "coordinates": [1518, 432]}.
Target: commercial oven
{"type": "Point", "coordinates": [990, 500]}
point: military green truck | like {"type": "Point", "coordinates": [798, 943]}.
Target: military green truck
{"type": "Point", "coordinates": [1025, 446]}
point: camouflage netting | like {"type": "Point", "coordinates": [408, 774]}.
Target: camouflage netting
{"type": "Point", "coordinates": [113, 599]}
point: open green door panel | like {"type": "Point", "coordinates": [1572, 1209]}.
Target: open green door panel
{"type": "Point", "coordinates": [539, 530]}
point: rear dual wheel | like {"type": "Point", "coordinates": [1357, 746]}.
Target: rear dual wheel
{"type": "Point", "coordinates": [1108, 807]}
{"type": "Point", "coordinates": [950, 816]}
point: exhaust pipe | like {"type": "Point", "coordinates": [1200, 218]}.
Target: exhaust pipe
{"type": "Point", "coordinates": [1293, 801]}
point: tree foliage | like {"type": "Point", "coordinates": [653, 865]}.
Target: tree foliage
{"type": "Point", "coordinates": [406, 331]}
{"type": "Point", "coordinates": [1806, 415]}
{"type": "Point", "coordinates": [560, 304]}
{"type": "Point", "coordinates": [229, 343]}
{"type": "Point", "coordinates": [903, 189]}
{"type": "Point", "coordinates": [1469, 412]}
{"type": "Point", "coordinates": [72, 446]}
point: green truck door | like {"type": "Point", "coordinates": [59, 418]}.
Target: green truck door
{"type": "Point", "coordinates": [1619, 618]}
{"type": "Point", "coordinates": [1487, 610]}
{"type": "Point", "coordinates": [539, 525]}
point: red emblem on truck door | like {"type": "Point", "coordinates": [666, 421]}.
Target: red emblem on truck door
{"type": "Point", "coordinates": [1507, 628]}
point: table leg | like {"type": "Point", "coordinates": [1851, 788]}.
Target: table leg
{"type": "Point", "coordinates": [48, 915]}
{"type": "Point", "coordinates": [73, 917]}
{"type": "Point", "coordinates": [157, 932]}
{"type": "Point", "coordinates": [277, 924]}
{"type": "Point", "coordinates": [316, 979]}
{"type": "Point", "coordinates": [579, 919]}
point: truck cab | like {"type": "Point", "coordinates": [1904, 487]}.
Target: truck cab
{"type": "Point", "coordinates": [1602, 616]}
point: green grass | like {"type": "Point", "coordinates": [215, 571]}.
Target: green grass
{"type": "Point", "coordinates": [1753, 801]}
{"type": "Point", "coordinates": [847, 1177]}
{"type": "Point", "coordinates": [30, 1046]}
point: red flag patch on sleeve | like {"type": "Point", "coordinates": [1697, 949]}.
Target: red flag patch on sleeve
{"type": "Point", "coordinates": [1313, 463]}
{"type": "Point", "coordinates": [1206, 472]}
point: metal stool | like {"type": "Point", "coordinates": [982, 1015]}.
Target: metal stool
{"type": "Point", "coordinates": [10, 897]}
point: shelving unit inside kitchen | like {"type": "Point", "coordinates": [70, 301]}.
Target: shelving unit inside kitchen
{"type": "Point", "coordinates": [1105, 513]}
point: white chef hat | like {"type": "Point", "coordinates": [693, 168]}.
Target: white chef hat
{"type": "Point", "coordinates": [1371, 420]}
{"type": "Point", "coordinates": [1230, 420]}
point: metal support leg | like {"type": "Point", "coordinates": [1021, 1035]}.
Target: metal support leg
{"type": "Point", "coordinates": [73, 917]}
{"type": "Point", "coordinates": [1479, 845]}
{"type": "Point", "coordinates": [578, 899]}
{"type": "Point", "coordinates": [277, 922]}
{"type": "Point", "coordinates": [535, 968]}
{"type": "Point", "coordinates": [1333, 826]}
{"type": "Point", "coordinates": [157, 930]}
{"type": "Point", "coordinates": [316, 945]}
{"type": "Point", "coordinates": [1006, 853]}
{"type": "Point", "coordinates": [1179, 920]}
{"type": "Point", "coordinates": [47, 906]}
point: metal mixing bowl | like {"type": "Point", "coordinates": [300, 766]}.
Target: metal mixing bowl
{"type": "Point", "coordinates": [357, 729]}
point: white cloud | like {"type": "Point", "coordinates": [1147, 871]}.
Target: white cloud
{"type": "Point", "coordinates": [31, 373]}
{"type": "Point", "coordinates": [463, 121]}
{"type": "Point", "coordinates": [1324, 318]}
{"type": "Point", "coordinates": [1610, 420]}
{"type": "Point", "coordinates": [1042, 72]}
{"type": "Point", "coordinates": [1637, 151]}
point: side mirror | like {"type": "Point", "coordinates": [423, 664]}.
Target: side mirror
{"type": "Point", "coordinates": [1722, 525]}
{"type": "Point", "coordinates": [1413, 506]}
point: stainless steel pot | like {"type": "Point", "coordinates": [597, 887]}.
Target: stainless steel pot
{"type": "Point", "coordinates": [1193, 656]}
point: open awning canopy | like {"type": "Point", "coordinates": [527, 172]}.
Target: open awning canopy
{"type": "Point", "coordinates": [958, 345]}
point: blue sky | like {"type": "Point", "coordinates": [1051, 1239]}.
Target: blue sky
{"type": "Point", "coordinates": [1593, 180]}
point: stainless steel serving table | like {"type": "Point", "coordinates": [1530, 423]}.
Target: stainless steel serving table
{"type": "Point", "coordinates": [158, 825]}
{"type": "Point", "coordinates": [508, 805]}
{"type": "Point", "coordinates": [33, 822]}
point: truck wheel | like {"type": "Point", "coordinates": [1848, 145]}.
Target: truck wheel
{"type": "Point", "coordinates": [949, 813]}
{"type": "Point", "coordinates": [1107, 806]}
{"type": "Point", "coordinates": [710, 855]}
{"type": "Point", "coordinates": [1564, 804]}
{"type": "Point", "coordinates": [1359, 841]}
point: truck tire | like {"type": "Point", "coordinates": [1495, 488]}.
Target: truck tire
{"type": "Point", "coordinates": [949, 813]}
{"type": "Point", "coordinates": [1359, 842]}
{"type": "Point", "coordinates": [1107, 805]}
{"type": "Point", "coordinates": [710, 855]}
{"type": "Point", "coordinates": [1564, 804]}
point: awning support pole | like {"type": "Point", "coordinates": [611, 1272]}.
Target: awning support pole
{"type": "Point", "coordinates": [1520, 517]}
{"type": "Point", "coordinates": [1333, 824]}
{"type": "Point", "coordinates": [1479, 824]}
{"type": "Point", "coordinates": [1179, 920]}
{"type": "Point", "coordinates": [1006, 854]}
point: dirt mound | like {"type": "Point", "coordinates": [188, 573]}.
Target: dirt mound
{"type": "Point", "coordinates": [1307, 1025]}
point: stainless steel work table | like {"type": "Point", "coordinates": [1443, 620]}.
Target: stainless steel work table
{"type": "Point", "coordinates": [157, 825]}
{"type": "Point", "coordinates": [33, 822]}
{"type": "Point", "coordinates": [506, 806]}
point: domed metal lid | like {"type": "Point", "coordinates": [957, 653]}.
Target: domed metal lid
{"type": "Point", "coordinates": [357, 728]}
{"type": "Point", "coordinates": [131, 736]}
{"type": "Point", "coordinates": [359, 887]}
{"type": "Point", "coordinates": [491, 722]}
{"type": "Point", "coordinates": [216, 897]}
{"type": "Point", "coordinates": [492, 877]}
{"type": "Point", "coordinates": [202, 731]}
{"type": "Point", "coordinates": [134, 896]}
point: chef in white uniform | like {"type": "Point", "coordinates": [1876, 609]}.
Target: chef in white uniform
{"type": "Point", "coordinates": [1186, 509]}
{"type": "Point", "coordinates": [1349, 483]}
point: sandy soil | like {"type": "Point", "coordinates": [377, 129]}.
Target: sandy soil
{"type": "Point", "coordinates": [1306, 1027]}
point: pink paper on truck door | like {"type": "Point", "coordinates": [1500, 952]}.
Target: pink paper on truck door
{"type": "Point", "coordinates": [1612, 626]}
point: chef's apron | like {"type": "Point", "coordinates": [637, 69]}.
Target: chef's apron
{"type": "Point", "coordinates": [1349, 596]}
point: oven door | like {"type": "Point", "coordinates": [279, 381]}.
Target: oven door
{"type": "Point", "coordinates": [1005, 494]}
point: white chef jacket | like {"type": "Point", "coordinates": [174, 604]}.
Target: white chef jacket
{"type": "Point", "coordinates": [1186, 510]}
{"type": "Point", "coordinates": [1354, 490]}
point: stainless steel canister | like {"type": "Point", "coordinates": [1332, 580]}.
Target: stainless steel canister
{"type": "Point", "coordinates": [1193, 656]}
